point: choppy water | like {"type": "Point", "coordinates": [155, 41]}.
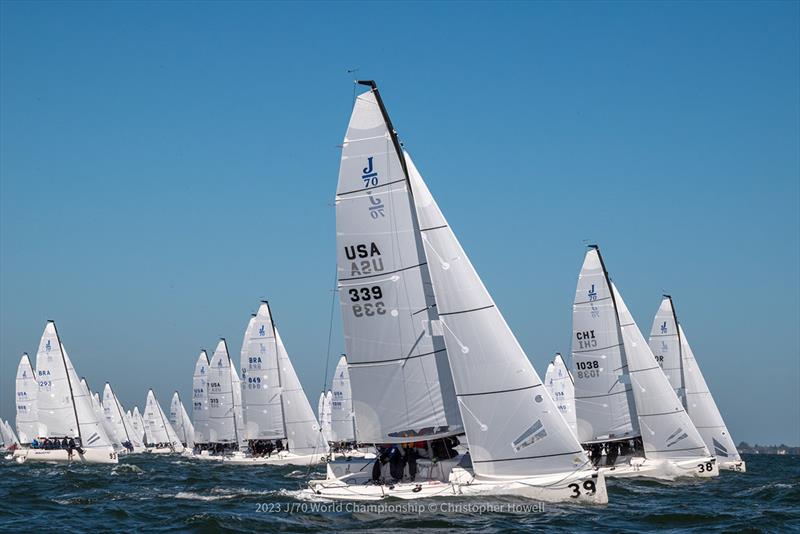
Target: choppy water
{"type": "Point", "coordinates": [173, 494]}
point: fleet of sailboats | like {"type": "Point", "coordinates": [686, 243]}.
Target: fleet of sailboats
{"type": "Point", "coordinates": [435, 396]}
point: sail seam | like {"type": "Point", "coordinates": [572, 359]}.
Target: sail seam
{"type": "Point", "coordinates": [397, 359]}
{"type": "Point", "coordinates": [603, 395]}
{"type": "Point", "coordinates": [655, 414]}
{"type": "Point", "coordinates": [498, 391]}
{"type": "Point", "coordinates": [527, 457]}
{"type": "Point", "coordinates": [433, 228]}
{"type": "Point", "coordinates": [590, 301]}
{"type": "Point", "coordinates": [643, 370]}
{"type": "Point", "coordinates": [371, 188]}
{"type": "Point", "coordinates": [467, 311]}
{"type": "Point", "coordinates": [383, 273]}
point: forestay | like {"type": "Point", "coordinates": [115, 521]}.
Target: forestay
{"type": "Point", "coordinates": [200, 398]}
{"type": "Point", "coordinates": [27, 389]}
{"type": "Point", "coordinates": [561, 388]}
{"type": "Point", "coordinates": [401, 382]}
{"type": "Point", "coordinates": [604, 405]}
{"type": "Point", "coordinates": [343, 424]}
{"type": "Point", "coordinates": [527, 436]}
{"type": "Point", "coordinates": [667, 430]}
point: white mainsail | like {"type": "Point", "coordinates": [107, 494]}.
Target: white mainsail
{"type": "Point", "coordinates": [321, 415]}
{"type": "Point", "coordinates": [97, 405]}
{"type": "Point", "coordinates": [180, 421]}
{"type": "Point", "coordinates": [343, 423]}
{"type": "Point", "coordinates": [671, 349]}
{"type": "Point", "coordinates": [260, 378]}
{"type": "Point", "coordinates": [64, 407]}
{"type": "Point", "coordinates": [490, 369]}
{"type": "Point", "coordinates": [327, 432]}
{"type": "Point", "coordinates": [7, 436]}
{"type": "Point", "coordinates": [667, 431]}
{"type": "Point", "coordinates": [560, 386]}
{"type": "Point", "coordinates": [224, 412]}
{"type": "Point", "coordinates": [200, 399]}
{"type": "Point", "coordinates": [401, 381]}
{"type": "Point", "coordinates": [27, 389]}
{"type": "Point", "coordinates": [115, 417]}
{"type": "Point", "coordinates": [158, 429]}
{"type": "Point", "coordinates": [604, 403]}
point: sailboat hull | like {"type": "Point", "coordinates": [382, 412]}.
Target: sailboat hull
{"type": "Point", "coordinates": [277, 459]}
{"type": "Point", "coordinates": [90, 456]}
{"type": "Point", "coordinates": [740, 466]}
{"type": "Point", "coordinates": [663, 469]}
{"type": "Point", "coordinates": [584, 486]}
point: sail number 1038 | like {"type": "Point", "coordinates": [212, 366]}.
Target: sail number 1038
{"type": "Point", "coordinates": [368, 299]}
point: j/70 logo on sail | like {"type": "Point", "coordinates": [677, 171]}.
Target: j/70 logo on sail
{"type": "Point", "coordinates": [592, 293]}
{"type": "Point", "coordinates": [369, 174]}
{"type": "Point", "coordinates": [664, 327]}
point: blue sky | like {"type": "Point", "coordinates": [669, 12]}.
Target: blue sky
{"type": "Point", "coordinates": [166, 165]}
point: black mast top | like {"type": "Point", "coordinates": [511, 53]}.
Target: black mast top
{"type": "Point", "coordinates": [395, 140]}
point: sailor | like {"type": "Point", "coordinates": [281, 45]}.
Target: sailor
{"type": "Point", "coordinates": [397, 462]}
{"type": "Point", "coordinates": [411, 459]}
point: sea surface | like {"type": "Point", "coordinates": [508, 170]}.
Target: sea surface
{"type": "Point", "coordinates": [175, 494]}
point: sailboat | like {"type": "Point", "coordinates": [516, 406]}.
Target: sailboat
{"type": "Point", "coordinates": [181, 422]}
{"type": "Point", "coordinates": [675, 356]}
{"type": "Point", "coordinates": [117, 418]}
{"type": "Point", "coordinates": [628, 415]}
{"type": "Point", "coordinates": [200, 402]}
{"type": "Point", "coordinates": [429, 353]}
{"type": "Point", "coordinates": [27, 411]}
{"type": "Point", "coordinates": [561, 387]}
{"type": "Point", "coordinates": [65, 408]}
{"type": "Point", "coordinates": [8, 439]}
{"type": "Point", "coordinates": [277, 406]}
{"type": "Point", "coordinates": [160, 437]}
{"type": "Point", "coordinates": [225, 418]}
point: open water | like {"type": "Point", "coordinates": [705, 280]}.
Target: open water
{"type": "Point", "coordinates": [175, 494]}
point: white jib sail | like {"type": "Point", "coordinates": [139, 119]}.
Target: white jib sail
{"type": "Point", "coordinates": [703, 410]}
{"type": "Point", "coordinates": [326, 420]}
{"type": "Point", "coordinates": [667, 430]}
{"type": "Point", "coordinates": [401, 381]}
{"type": "Point", "coordinates": [604, 404]}
{"type": "Point", "coordinates": [180, 422]}
{"type": "Point", "coordinates": [559, 384]}
{"type": "Point", "coordinates": [200, 399]}
{"type": "Point", "coordinates": [527, 436]}
{"type": "Point", "coordinates": [27, 389]}
{"type": "Point", "coordinates": [115, 416]}
{"type": "Point", "coordinates": [321, 414]}
{"type": "Point", "coordinates": [343, 425]}
{"type": "Point", "coordinates": [260, 379]}
{"type": "Point", "coordinates": [302, 429]}
{"type": "Point", "coordinates": [99, 411]}
{"type": "Point", "coordinates": [224, 416]}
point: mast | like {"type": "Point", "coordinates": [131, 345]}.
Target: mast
{"type": "Point", "coordinates": [392, 132]}
{"type": "Point", "coordinates": [69, 382]}
{"type": "Point", "coordinates": [278, 366]}
{"type": "Point", "coordinates": [623, 354]}
{"type": "Point", "coordinates": [119, 411]}
{"type": "Point", "coordinates": [682, 396]}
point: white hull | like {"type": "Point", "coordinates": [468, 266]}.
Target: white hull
{"type": "Point", "coordinates": [281, 458]}
{"type": "Point", "coordinates": [582, 486]}
{"type": "Point", "coordinates": [160, 450]}
{"type": "Point", "coordinates": [739, 466]}
{"type": "Point", "coordinates": [90, 456]}
{"type": "Point", "coordinates": [663, 469]}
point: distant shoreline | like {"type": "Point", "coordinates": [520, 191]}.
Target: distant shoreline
{"type": "Point", "coordinates": [780, 450]}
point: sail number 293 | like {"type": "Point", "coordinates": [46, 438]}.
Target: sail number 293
{"type": "Point", "coordinates": [368, 299]}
